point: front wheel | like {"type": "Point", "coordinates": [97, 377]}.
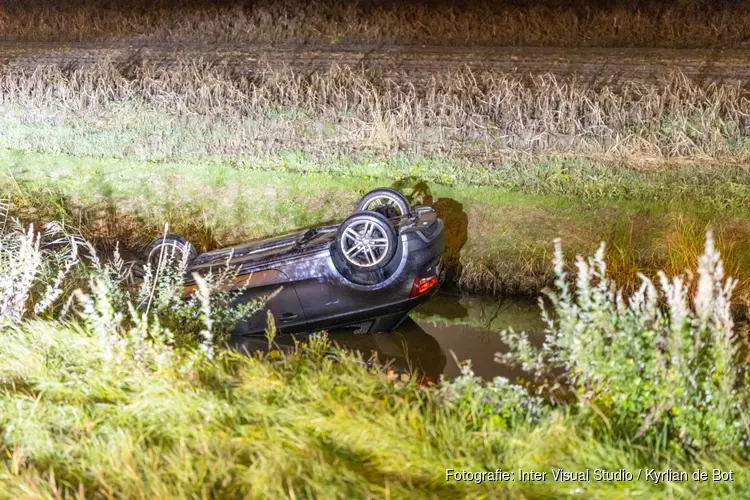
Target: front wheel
{"type": "Point", "coordinates": [385, 201]}
{"type": "Point", "coordinates": [366, 241]}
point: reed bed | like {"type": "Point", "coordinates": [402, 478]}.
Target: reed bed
{"type": "Point", "coordinates": [483, 115]}
{"type": "Point", "coordinates": [623, 23]}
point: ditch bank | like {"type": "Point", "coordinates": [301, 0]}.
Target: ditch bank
{"type": "Point", "coordinates": [499, 239]}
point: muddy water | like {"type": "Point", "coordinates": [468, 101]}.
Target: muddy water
{"type": "Point", "coordinates": [466, 328]}
{"type": "Point", "coordinates": [440, 335]}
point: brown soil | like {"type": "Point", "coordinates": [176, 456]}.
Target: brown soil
{"type": "Point", "coordinates": [413, 63]}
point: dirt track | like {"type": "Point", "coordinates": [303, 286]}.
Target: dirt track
{"type": "Point", "coordinates": [595, 64]}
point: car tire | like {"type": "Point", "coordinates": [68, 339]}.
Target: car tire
{"type": "Point", "coordinates": [366, 241]}
{"type": "Point", "coordinates": [385, 201]}
{"type": "Point", "coordinates": [171, 242]}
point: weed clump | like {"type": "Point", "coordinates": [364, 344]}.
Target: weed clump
{"type": "Point", "coordinates": [32, 273]}
{"type": "Point", "coordinates": [660, 366]}
{"type": "Point", "coordinates": [152, 303]}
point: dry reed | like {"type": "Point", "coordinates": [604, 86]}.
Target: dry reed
{"type": "Point", "coordinates": [631, 23]}
{"type": "Point", "coordinates": [346, 110]}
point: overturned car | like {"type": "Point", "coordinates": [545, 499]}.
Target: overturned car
{"type": "Point", "coordinates": [367, 272]}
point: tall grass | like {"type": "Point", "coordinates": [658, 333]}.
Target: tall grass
{"type": "Point", "coordinates": [106, 404]}
{"type": "Point", "coordinates": [483, 116]}
{"type": "Point", "coordinates": [660, 365]}
{"type": "Point", "coordinates": [32, 274]}
{"type": "Point", "coordinates": [620, 23]}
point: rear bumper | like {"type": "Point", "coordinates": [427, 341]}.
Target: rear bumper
{"type": "Point", "coordinates": [393, 310]}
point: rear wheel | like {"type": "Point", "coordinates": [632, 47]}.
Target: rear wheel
{"type": "Point", "coordinates": [366, 241]}
{"type": "Point", "coordinates": [385, 201]}
{"type": "Point", "coordinates": [169, 246]}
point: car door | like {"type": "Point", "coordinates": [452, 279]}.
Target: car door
{"type": "Point", "coordinates": [283, 303]}
{"type": "Point", "coordinates": [321, 292]}
{"type": "Point", "coordinates": [327, 300]}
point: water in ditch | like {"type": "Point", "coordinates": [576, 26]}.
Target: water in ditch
{"type": "Point", "coordinates": [439, 336]}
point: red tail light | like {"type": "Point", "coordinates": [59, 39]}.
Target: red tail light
{"type": "Point", "coordinates": [422, 285]}
{"type": "Point", "coordinates": [428, 380]}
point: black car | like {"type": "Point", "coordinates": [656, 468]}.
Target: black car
{"type": "Point", "coordinates": [369, 271]}
{"type": "Point", "coordinates": [408, 351]}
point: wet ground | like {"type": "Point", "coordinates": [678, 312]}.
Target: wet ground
{"type": "Point", "coordinates": [448, 330]}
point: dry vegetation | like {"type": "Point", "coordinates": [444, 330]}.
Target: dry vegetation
{"type": "Point", "coordinates": [484, 116]}
{"type": "Point", "coordinates": [613, 23]}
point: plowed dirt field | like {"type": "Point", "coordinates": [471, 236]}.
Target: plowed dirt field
{"type": "Point", "coordinates": [412, 63]}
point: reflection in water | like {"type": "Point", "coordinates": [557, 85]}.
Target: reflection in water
{"type": "Point", "coordinates": [449, 328]}
{"type": "Point", "coordinates": [475, 335]}
{"type": "Point", "coordinates": [408, 350]}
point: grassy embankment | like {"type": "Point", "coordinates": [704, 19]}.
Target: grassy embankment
{"type": "Point", "coordinates": [298, 426]}
{"type": "Point", "coordinates": [506, 245]}
{"type": "Point", "coordinates": [509, 163]}
{"type": "Point", "coordinates": [607, 23]}
{"type": "Point", "coordinates": [106, 403]}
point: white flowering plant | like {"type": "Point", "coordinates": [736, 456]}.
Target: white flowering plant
{"type": "Point", "coordinates": [34, 267]}
{"type": "Point", "coordinates": [661, 365]}
{"type": "Point", "coordinates": [157, 305]}
{"type": "Point", "coordinates": [41, 273]}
